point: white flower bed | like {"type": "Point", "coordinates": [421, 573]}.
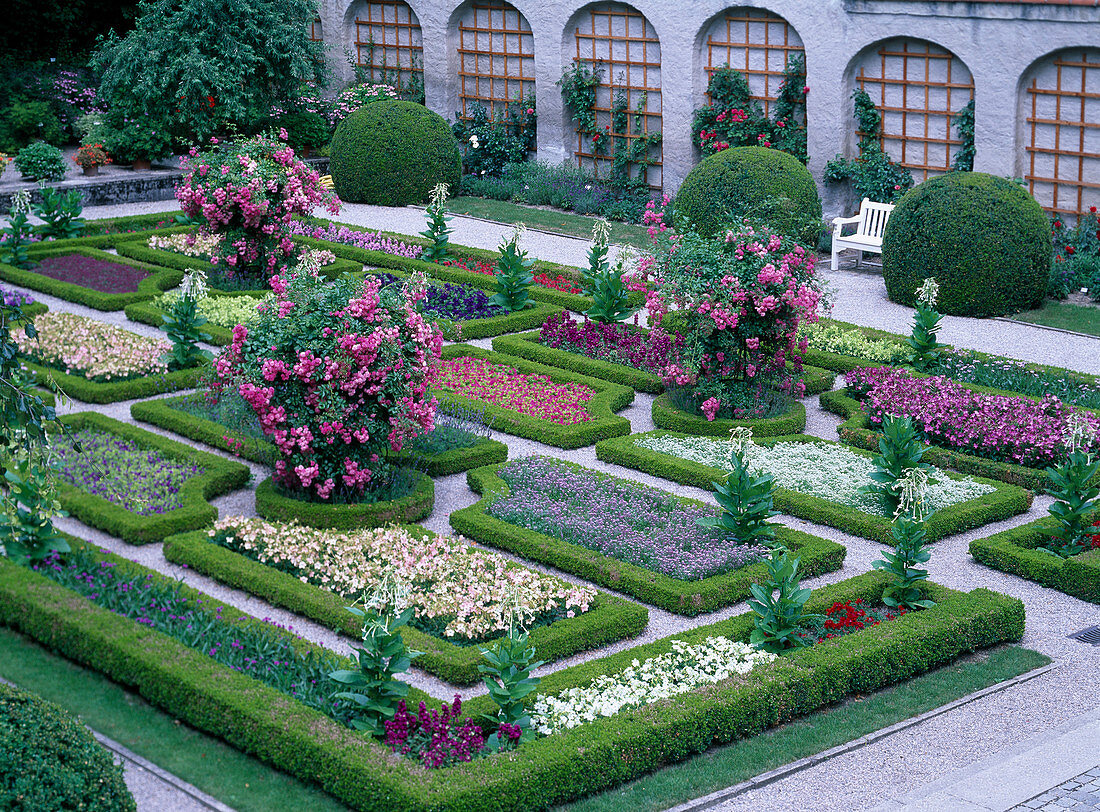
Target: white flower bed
{"type": "Point", "coordinates": [683, 669]}
{"type": "Point", "coordinates": [97, 350]}
{"type": "Point", "coordinates": [472, 589]}
{"type": "Point", "coordinates": [190, 245]}
{"type": "Point", "coordinates": [820, 469]}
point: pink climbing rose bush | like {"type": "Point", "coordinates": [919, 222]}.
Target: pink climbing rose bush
{"type": "Point", "coordinates": [247, 194]}
{"type": "Point", "coordinates": [337, 374]}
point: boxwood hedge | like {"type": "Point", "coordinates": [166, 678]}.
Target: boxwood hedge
{"type": "Point", "coordinates": [412, 507]}
{"type": "Point", "coordinates": [80, 388]}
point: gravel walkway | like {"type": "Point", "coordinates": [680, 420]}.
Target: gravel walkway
{"type": "Point", "coordinates": [890, 768]}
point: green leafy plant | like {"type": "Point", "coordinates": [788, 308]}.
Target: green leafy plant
{"type": "Point", "coordinates": [513, 274]}
{"type": "Point", "coordinates": [491, 140]}
{"type": "Point", "coordinates": [26, 122]}
{"type": "Point", "coordinates": [13, 250]}
{"type": "Point", "coordinates": [597, 254]}
{"type": "Point", "coordinates": [926, 322]}
{"type": "Point", "coordinates": [578, 93]}
{"type": "Point", "coordinates": [900, 450]}
{"type": "Point", "coordinates": [909, 550]}
{"type": "Point", "coordinates": [305, 129]}
{"type": "Point", "coordinates": [437, 231]}
{"type": "Point", "coordinates": [61, 213]}
{"type": "Point", "coordinates": [872, 175]}
{"type": "Point", "coordinates": [778, 604]}
{"type": "Point", "coordinates": [964, 123]}
{"type": "Point", "coordinates": [40, 161]}
{"type": "Point", "coordinates": [182, 323]}
{"type": "Point", "coordinates": [508, 678]}
{"type": "Point", "coordinates": [746, 500]}
{"type": "Point", "coordinates": [1075, 499]}
{"type": "Point", "coordinates": [382, 656]}
{"type": "Point", "coordinates": [610, 297]}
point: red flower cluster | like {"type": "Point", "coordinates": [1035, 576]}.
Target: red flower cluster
{"type": "Point", "coordinates": [850, 616]}
{"type": "Point", "coordinates": [562, 283]}
{"type": "Point", "coordinates": [1095, 539]}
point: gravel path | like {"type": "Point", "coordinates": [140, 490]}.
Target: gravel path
{"type": "Point", "coordinates": [890, 768]}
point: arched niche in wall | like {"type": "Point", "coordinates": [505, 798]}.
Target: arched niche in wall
{"type": "Point", "coordinates": [388, 44]}
{"type": "Point", "coordinates": [496, 56]}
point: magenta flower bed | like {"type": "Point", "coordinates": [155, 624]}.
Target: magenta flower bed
{"type": "Point", "coordinates": [1000, 427]}
{"type": "Point", "coordinates": [500, 385]}
{"type": "Point", "coordinates": [89, 272]}
{"type": "Point", "coordinates": [615, 343]}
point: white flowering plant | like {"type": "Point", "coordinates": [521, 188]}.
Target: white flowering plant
{"type": "Point", "coordinates": [92, 349]}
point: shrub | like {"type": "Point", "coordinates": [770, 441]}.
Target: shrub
{"type": "Point", "coordinates": [129, 140]}
{"type": "Point", "coordinates": [392, 153]}
{"type": "Point", "coordinates": [741, 182]}
{"type": "Point", "coordinates": [40, 161]}
{"type": "Point", "coordinates": [491, 141]}
{"type": "Point", "coordinates": [985, 240]}
{"type": "Point", "coordinates": [49, 761]}
{"type": "Point", "coordinates": [26, 122]}
{"type": "Point", "coordinates": [305, 129]}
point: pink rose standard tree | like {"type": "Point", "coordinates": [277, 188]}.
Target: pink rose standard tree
{"type": "Point", "coordinates": [247, 194]}
{"type": "Point", "coordinates": [338, 375]}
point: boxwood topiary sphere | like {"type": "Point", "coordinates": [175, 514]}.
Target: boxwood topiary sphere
{"type": "Point", "coordinates": [985, 240]}
{"type": "Point", "coordinates": [49, 761]}
{"type": "Point", "coordinates": [391, 153]}
{"type": "Point", "coordinates": [754, 181]}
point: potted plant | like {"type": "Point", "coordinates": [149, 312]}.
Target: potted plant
{"type": "Point", "coordinates": [41, 161]}
{"type": "Point", "coordinates": [90, 157]}
{"type": "Point", "coordinates": [138, 142]}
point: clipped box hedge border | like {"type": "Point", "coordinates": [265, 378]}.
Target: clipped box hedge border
{"type": "Point", "coordinates": [265, 723]}
{"type": "Point", "coordinates": [672, 594]}
{"type": "Point", "coordinates": [159, 278]}
{"type": "Point", "coordinates": [219, 476]}
{"type": "Point", "coordinates": [856, 430]}
{"type": "Point", "coordinates": [1007, 500]}
{"type": "Point", "coordinates": [667, 416]}
{"type": "Point", "coordinates": [608, 399]}
{"type": "Point", "coordinates": [608, 619]}
{"type": "Point", "coordinates": [412, 507]}
{"type": "Point", "coordinates": [1013, 551]}
{"type": "Point", "coordinates": [82, 389]}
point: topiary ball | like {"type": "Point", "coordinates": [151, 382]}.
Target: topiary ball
{"type": "Point", "coordinates": [985, 240]}
{"type": "Point", "coordinates": [391, 153]}
{"type": "Point", "coordinates": [49, 761]}
{"type": "Point", "coordinates": [755, 182]}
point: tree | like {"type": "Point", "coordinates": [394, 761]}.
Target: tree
{"type": "Point", "coordinates": [195, 66]}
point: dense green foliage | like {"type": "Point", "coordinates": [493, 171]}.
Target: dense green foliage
{"type": "Point", "coordinates": [754, 182]}
{"type": "Point", "coordinates": [985, 240]}
{"type": "Point", "coordinates": [392, 153]}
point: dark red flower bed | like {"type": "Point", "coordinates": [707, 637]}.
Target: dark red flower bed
{"type": "Point", "coordinates": [88, 272]}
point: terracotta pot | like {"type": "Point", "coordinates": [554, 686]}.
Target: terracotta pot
{"type": "Point", "coordinates": [305, 152]}
{"type": "Point", "coordinates": [142, 165]}
{"type": "Point", "coordinates": [91, 171]}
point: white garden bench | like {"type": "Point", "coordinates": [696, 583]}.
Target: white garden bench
{"type": "Point", "coordinates": [867, 238]}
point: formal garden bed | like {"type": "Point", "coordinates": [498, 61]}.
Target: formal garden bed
{"type": "Point", "coordinates": [90, 277]}
{"type": "Point", "coordinates": [408, 497]}
{"type": "Point", "coordinates": [222, 311]}
{"type": "Point", "coordinates": [533, 400]}
{"type": "Point", "coordinates": [817, 481]}
{"type": "Point", "coordinates": [1017, 552]}
{"type": "Point", "coordinates": [136, 485]}
{"type": "Point", "coordinates": [597, 527]}
{"type": "Point", "coordinates": [316, 573]}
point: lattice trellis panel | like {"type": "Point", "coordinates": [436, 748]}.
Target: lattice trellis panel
{"type": "Point", "coordinates": [388, 42]}
{"type": "Point", "coordinates": [315, 34]}
{"type": "Point", "coordinates": [1063, 129]}
{"type": "Point", "coordinates": [496, 56]}
{"type": "Point", "coordinates": [624, 44]}
{"type": "Point", "coordinates": [918, 87]}
{"type": "Point", "coordinates": [757, 44]}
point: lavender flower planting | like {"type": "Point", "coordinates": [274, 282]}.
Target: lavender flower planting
{"type": "Point", "coordinates": [360, 239]}
{"type": "Point", "coordinates": [89, 272]}
{"type": "Point", "coordinates": [15, 298]}
{"type": "Point", "coordinates": [1003, 428]}
{"type": "Point", "coordinates": [123, 472]}
{"type": "Point", "coordinates": [451, 300]}
{"type": "Point", "coordinates": [618, 518]}
{"type": "Point", "coordinates": [615, 343]}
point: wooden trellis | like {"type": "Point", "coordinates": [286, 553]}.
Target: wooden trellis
{"type": "Point", "coordinates": [917, 87]}
{"type": "Point", "coordinates": [1063, 168]}
{"type": "Point", "coordinates": [622, 42]}
{"type": "Point", "coordinates": [757, 44]}
{"type": "Point", "coordinates": [315, 34]}
{"type": "Point", "coordinates": [496, 53]}
{"type": "Point", "coordinates": [389, 43]}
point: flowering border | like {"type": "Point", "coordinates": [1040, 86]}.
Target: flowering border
{"type": "Point", "coordinates": [159, 279]}
{"type": "Point", "coordinates": [1013, 551]}
{"type": "Point", "coordinates": [80, 388]}
{"type": "Point", "coordinates": [260, 721]}
{"type": "Point", "coordinates": [609, 618]}
{"type": "Point", "coordinates": [413, 507]}
{"type": "Point", "coordinates": [673, 594]}
{"type": "Point", "coordinates": [148, 313]}
{"type": "Point", "coordinates": [609, 398]}
{"type": "Point", "coordinates": [219, 477]}
{"type": "Point", "coordinates": [1007, 500]}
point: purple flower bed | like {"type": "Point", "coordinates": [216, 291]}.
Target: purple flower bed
{"type": "Point", "coordinates": [618, 518]}
{"type": "Point", "coordinates": [456, 302]}
{"type": "Point", "coordinates": [89, 272]}
{"type": "Point", "coordinates": [15, 298]}
{"type": "Point", "coordinates": [616, 343]}
{"type": "Point", "coordinates": [360, 239]}
{"type": "Point", "coordinates": [123, 472]}
{"type": "Point", "coordinates": [1003, 428]}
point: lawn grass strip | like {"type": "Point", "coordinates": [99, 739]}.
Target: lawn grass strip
{"type": "Point", "coordinates": [1014, 551]}
{"type": "Point", "coordinates": [1007, 500]}
{"type": "Point", "coordinates": [219, 476]}
{"type": "Point", "coordinates": [608, 399]}
{"type": "Point", "coordinates": [608, 619]}
{"type": "Point", "coordinates": [80, 388]}
{"type": "Point", "coordinates": [412, 507]}
{"type": "Point", "coordinates": [159, 279]}
{"type": "Point", "coordinates": [262, 722]}
{"type": "Point", "coordinates": [676, 595]}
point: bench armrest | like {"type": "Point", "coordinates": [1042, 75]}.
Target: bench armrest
{"type": "Point", "coordinates": [840, 222]}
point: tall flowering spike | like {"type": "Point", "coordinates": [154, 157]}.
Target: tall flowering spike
{"type": "Point", "coordinates": [928, 292]}
{"type": "Point", "coordinates": [740, 439]}
{"type": "Point", "coordinates": [601, 232]}
{"type": "Point", "coordinates": [391, 596]}
{"type": "Point", "coordinates": [625, 261]}
{"type": "Point", "coordinates": [438, 196]}
{"type": "Point", "coordinates": [912, 489]}
{"type": "Point", "coordinates": [194, 285]}
{"type": "Point", "coordinates": [1080, 433]}
{"type": "Point", "coordinates": [308, 265]}
{"type": "Point", "coordinates": [20, 202]}
{"type": "Point", "coordinates": [519, 231]}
